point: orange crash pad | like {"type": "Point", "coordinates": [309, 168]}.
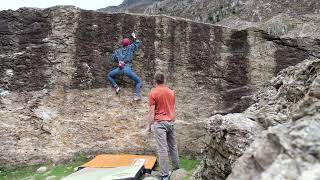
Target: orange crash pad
{"type": "Point", "coordinates": [118, 160]}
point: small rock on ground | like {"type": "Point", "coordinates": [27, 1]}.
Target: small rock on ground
{"type": "Point", "coordinates": [155, 173]}
{"type": "Point", "coordinates": [178, 174]}
{"type": "Point", "coordinates": [42, 169]}
{"type": "Point", "coordinates": [51, 178]}
{"type": "Point", "coordinates": [150, 178]}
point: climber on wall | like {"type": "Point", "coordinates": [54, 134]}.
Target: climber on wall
{"type": "Point", "coordinates": [124, 57]}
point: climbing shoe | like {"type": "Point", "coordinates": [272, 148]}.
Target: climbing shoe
{"type": "Point", "coordinates": [164, 177]}
{"type": "Point", "coordinates": [117, 89]}
{"type": "Point", "coordinates": [137, 98]}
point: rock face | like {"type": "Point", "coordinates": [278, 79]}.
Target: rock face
{"type": "Point", "coordinates": [55, 101]}
{"type": "Point", "coordinates": [227, 138]}
{"type": "Point", "coordinates": [288, 105]}
{"type": "Point", "coordinates": [276, 103]}
{"type": "Point", "coordinates": [288, 147]}
{"type": "Point", "coordinates": [289, 150]}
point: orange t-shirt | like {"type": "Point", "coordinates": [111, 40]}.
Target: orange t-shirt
{"type": "Point", "coordinates": [164, 100]}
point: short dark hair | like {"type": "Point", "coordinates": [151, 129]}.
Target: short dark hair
{"type": "Point", "coordinates": [159, 78]}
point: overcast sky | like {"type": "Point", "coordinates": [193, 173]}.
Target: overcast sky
{"type": "Point", "coordinates": [84, 4]}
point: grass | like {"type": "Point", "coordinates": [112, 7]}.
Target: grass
{"type": "Point", "coordinates": [189, 165]}
{"type": "Point", "coordinates": [62, 170]}
{"type": "Point", "coordinates": [11, 173]}
{"type": "Point", "coordinates": [29, 172]}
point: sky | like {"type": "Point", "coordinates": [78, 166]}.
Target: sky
{"type": "Point", "coordinates": [84, 4]}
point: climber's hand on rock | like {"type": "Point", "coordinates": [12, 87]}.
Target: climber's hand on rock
{"type": "Point", "coordinates": [133, 35]}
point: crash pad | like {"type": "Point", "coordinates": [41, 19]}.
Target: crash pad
{"type": "Point", "coordinates": [131, 172]}
{"type": "Point", "coordinates": [118, 160]}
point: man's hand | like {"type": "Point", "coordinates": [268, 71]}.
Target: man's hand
{"type": "Point", "coordinates": [146, 131]}
{"type": "Point", "coordinates": [149, 124]}
{"type": "Point", "coordinates": [134, 35]}
{"type": "Point", "coordinates": [149, 119]}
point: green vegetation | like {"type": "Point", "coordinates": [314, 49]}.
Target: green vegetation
{"type": "Point", "coordinates": [11, 173]}
{"type": "Point", "coordinates": [62, 170]}
{"type": "Point", "coordinates": [189, 165]}
{"type": "Point", "coordinates": [28, 172]}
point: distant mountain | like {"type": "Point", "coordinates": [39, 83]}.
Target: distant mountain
{"type": "Point", "coordinates": [132, 6]}
{"type": "Point", "coordinates": [213, 11]}
{"type": "Point", "coordinates": [216, 10]}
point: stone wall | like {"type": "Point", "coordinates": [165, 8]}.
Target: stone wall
{"type": "Point", "coordinates": [55, 101]}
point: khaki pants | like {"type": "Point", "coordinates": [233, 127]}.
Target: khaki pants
{"type": "Point", "coordinates": [166, 142]}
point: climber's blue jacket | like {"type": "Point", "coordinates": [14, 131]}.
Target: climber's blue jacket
{"type": "Point", "coordinates": [126, 54]}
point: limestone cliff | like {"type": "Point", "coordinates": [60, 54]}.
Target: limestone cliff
{"type": "Point", "coordinates": [55, 101]}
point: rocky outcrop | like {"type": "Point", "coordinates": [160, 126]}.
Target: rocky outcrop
{"type": "Point", "coordinates": [227, 138]}
{"type": "Point", "coordinates": [287, 105]}
{"type": "Point", "coordinates": [55, 101]}
{"type": "Point", "coordinates": [276, 102]}
{"type": "Point", "coordinates": [289, 150]}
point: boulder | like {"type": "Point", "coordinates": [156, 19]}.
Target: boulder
{"type": "Point", "coordinates": [227, 138]}
{"type": "Point", "coordinates": [287, 108]}
{"type": "Point", "coordinates": [289, 150]}
{"type": "Point", "coordinates": [55, 100]}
